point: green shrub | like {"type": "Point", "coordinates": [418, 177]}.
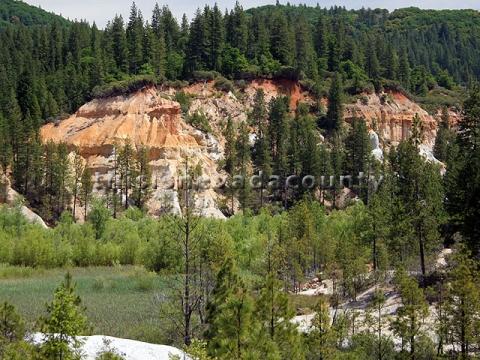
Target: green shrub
{"type": "Point", "coordinates": [145, 283]}
{"type": "Point", "coordinates": [84, 252]}
{"type": "Point", "coordinates": [130, 248]}
{"type": "Point", "coordinates": [392, 85]}
{"type": "Point", "coordinates": [108, 355]}
{"type": "Point", "coordinates": [288, 73]}
{"type": "Point", "coordinates": [108, 254]}
{"type": "Point", "coordinates": [199, 120]}
{"type": "Point", "coordinates": [6, 248]}
{"type": "Point", "coordinates": [250, 73]}
{"type": "Point", "coordinates": [185, 100]}
{"type": "Point", "coordinates": [241, 84]}
{"type": "Point", "coordinates": [223, 84]}
{"type": "Point", "coordinates": [35, 249]}
{"type": "Point", "coordinates": [144, 280]}
{"type": "Point", "coordinates": [124, 87]}
{"type": "Point", "coordinates": [438, 98]}
{"type": "Point", "coordinates": [176, 84]}
{"type": "Point", "coordinates": [205, 75]}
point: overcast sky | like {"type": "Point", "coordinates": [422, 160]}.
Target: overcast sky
{"type": "Point", "coordinates": [101, 11]}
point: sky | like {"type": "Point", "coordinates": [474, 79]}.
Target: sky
{"type": "Point", "coordinates": [101, 11]}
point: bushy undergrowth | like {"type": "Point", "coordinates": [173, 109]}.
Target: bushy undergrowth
{"type": "Point", "coordinates": [305, 232]}
{"type": "Point", "coordinates": [223, 84]}
{"type": "Point", "coordinates": [200, 121]}
{"type": "Point", "coordinates": [438, 98]}
{"type": "Point", "coordinates": [184, 100]}
{"type": "Point", "coordinates": [124, 87]}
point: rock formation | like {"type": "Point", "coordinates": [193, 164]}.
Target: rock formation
{"type": "Point", "coordinates": [11, 198]}
{"type": "Point", "coordinates": [390, 115]}
{"type": "Point", "coordinates": [152, 118]}
{"type": "Point", "coordinates": [145, 119]}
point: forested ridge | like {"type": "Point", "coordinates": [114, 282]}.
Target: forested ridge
{"type": "Point", "coordinates": [232, 287]}
{"type": "Point", "coordinates": [14, 12]}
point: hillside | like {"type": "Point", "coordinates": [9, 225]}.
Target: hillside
{"type": "Point", "coordinates": [18, 12]}
{"type": "Point", "coordinates": [436, 39]}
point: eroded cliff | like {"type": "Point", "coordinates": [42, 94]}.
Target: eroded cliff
{"type": "Point", "coordinates": [145, 119]}
{"type": "Point", "coordinates": [152, 118]}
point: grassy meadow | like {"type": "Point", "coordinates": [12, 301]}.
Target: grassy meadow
{"type": "Point", "coordinates": [120, 301]}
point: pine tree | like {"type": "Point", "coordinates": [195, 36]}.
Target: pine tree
{"type": "Point", "coordinates": [96, 72]}
{"type": "Point", "coordinates": [236, 28]}
{"type": "Point", "coordinates": [261, 149]}
{"type": "Point", "coordinates": [304, 140]}
{"type": "Point", "coordinates": [127, 171]}
{"type": "Point", "coordinates": [64, 322]}
{"type": "Point", "coordinates": [334, 121]}
{"type": "Point", "coordinates": [171, 30]}
{"type": "Point", "coordinates": [305, 59]}
{"type": "Point", "coordinates": [230, 316]}
{"type": "Point", "coordinates": [299, 243]}
{"type": "Point", "coordinates": [197, 46]}
{"type": "Point", "coordinates": [278, 131]}
{"type": "Point", "coordinates": [134, 37]}
{"type": "Point", "coordinates": [421, 193]}
{"type": "Point", "coordinates": [13, 116]}
{"type": "Point", "coordinates": [142, 186]}
{"type": "Point", "coordinates": [334, 55]}
{"type": "Point", "coordinates": [243, 164]}
{"type": "Point", "coordinates": [12, 327]}
{"type": "Point", "coordinates": [216, 38]}
{"type": "Point", "coordinates": [5, 147]}
{"type": "Point", "coordinates": [444, 137]}
{"type": "Point", "coordinates": [358, 155]}
{"type": "Point", "coordinates": [156, 23]}
{"type": "Point", "coordinates": [380, 212]}
{"type": "Point", "coordinates": [281, 42]}
{"type": "Point", "coordinates": [274, 310]}
{"type": "Point", "coordinates": [467, 188]}
{"type": "Point", "coordinates": [337, 161]}
{"type": "Point", "coordinates": [259, 40]}
{"type": "Point", "coordinates": [86, 188]}
{"type": "Point", "coordinates": [230, 153]}
{"type": "Point", "coordinates": [322, 337]}
{"type": "Point", "coordinates": [119, 44]}
{"type": "Point", "coordinates": [158, 53]}
{"type": "Point", "coordinates": [27, 98]}
{"type": "Point", "coordinates": [391, 63]}
{"type": "Point", "coordinates": [372, 64]}
{"type": "Point", "coordinates": [321, 37]}
{"type": "Point", "coordinates": [463, 303]}
{"type": "Point", "coordinates": [63, 178]}
{"type": "Point", "coordinates": [412, 313]}
{"type": "Point", "coordinates": [324, 169]}
{"type": "Point", "coordinates": [258, 119]}
{"type": "Point", "coordinates": [78, 170]}
{"type": "Point", "coordinates": [404, 68]}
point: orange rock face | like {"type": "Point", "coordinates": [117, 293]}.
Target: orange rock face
{"type": "Point", "coordinates": [391, 116]}
{"type": "Point", "coordinates": [144, 118]}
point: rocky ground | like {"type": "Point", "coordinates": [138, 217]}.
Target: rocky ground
{"type": "Point", "coordinates": [362, 306]}
{"type": "Point", "coordinates": [129, 349]}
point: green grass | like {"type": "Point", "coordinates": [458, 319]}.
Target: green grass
{"type": "Point", "coordinates": [120, 301]}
